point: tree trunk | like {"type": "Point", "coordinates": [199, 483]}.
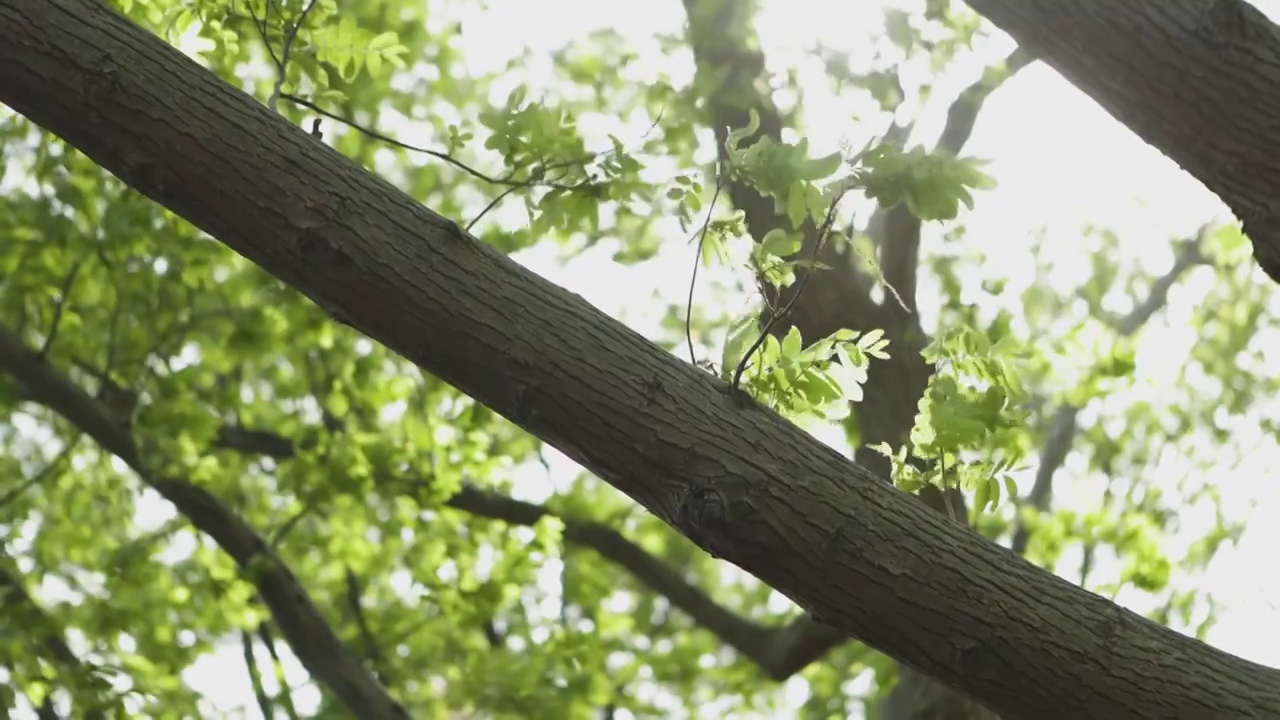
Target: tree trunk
{"type": "Point", "coordinates": [740, 481]}
{"type": "Point", "coordinates": [1195, 78]}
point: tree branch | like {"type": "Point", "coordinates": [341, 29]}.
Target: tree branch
{"type": "Point", "coordinates": [736, 478]}
{"type": "Point", "coordinates": [779, 652]}
{"type": "Point", "coordinates": [1062, 428]}
{"type": "Point", "coordinates": [1216, 131]}
{"type": "Point", "coordinates": [319, 649]}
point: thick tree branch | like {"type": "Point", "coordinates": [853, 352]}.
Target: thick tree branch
{"type": "Point", "coordinates": [321, 652]}
{"type": "Point", "coordinates": [1062, 428]}
{"type": "Point", "coordinates": [740, 481]}
{"type": "Point", "coordinates": [1145, 62]}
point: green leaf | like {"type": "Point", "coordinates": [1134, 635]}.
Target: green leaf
{"type": "Point", "coordinates": [780, 243]}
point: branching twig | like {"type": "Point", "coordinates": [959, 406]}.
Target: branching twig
{"type": "Point", "coordinates": [291, 34]}
{"type": "Point", "coordinates": [1062, 428]}
{"type": "Point", "coordinates": [255, 677]}
{"type": "Point", "coordinates": [693, 280]}
{"type": "Point", "coordinates": [262, 26]}
{"type": "Point", "coordinates": [824, 232]}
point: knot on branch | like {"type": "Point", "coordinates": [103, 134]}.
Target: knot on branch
{"type": "Point", "coordinates": [701, 512]}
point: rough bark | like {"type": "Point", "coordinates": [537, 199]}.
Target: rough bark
{"type": "Point", "coordinates": [737, 479]}
{"type": "Point", "coordinates": [1195, 78]}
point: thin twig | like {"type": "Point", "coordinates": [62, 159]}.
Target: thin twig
{"type": "Point", "coordinates": [290, 35]}
{"type": "Point", "coordinates": [255, 677]}
{"type": "Point", "coordinates": [369, 132]}
{"type": "Point", "coordinates": [697, 260]}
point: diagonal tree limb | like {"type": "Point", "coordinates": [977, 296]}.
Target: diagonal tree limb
{"type": "Point", "coordinates": [736, 478]}
{"type": "Point", "coordinates": [314, 642]}
{"type": "Point", "coordinates": [1062, 428]}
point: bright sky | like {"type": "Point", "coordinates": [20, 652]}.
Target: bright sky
{"type": "Point", "coordinates": [1060, 161]}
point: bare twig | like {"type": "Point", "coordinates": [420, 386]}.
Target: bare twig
{"type": "Point", "coordinates": [697, 260]}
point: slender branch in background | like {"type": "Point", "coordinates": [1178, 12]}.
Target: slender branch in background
{"type": "Point", "coordinates": [255, 677]}
{"type": "Point", "coordinates": [1062, 428]}
{"type": "Point", "coordinates": [313, 641]}
{"type": "Point", "coordinates": [59, 305]}
{"type": "Point", "coordinates": [53, 467]}
{"type": "Point", "coordinates": [372, 650]}
{"type": "Point", "coordinates": [780, 652]}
